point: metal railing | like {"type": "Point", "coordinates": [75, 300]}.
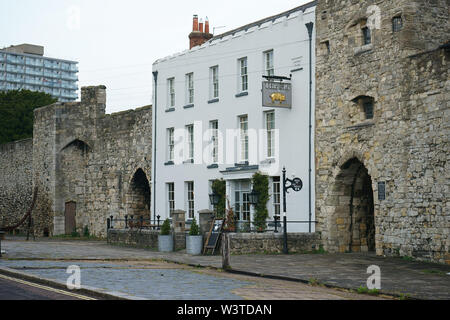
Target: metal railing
{"type": "Point", "coordinates": [132, 222]}
{"type": "Point", "coordinates": [275, 225]}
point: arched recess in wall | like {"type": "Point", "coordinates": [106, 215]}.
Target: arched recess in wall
{"type": "Point", "coordinates": [352, 221]}
{"type": "Point", "coordinates": [138, 196]}
{"type": "Point", "coordinates": [70, 189]}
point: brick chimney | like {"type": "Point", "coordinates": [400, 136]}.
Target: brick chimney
{"type": "Point", "coordinates": [199, 36]}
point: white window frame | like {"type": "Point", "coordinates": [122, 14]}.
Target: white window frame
{"type": "Point", "coordinates": [190, 143]}
{"type": "Point", "coordinates": [243, 138]}
{"type": "Point", "coordinates": [190, 88]}
{"type": "Point", "coordinates": [214, 83]}
{"type": "Point", "coordinates": [170, 197]}
{"type": "Point", "coordinates": [171, 92]}
{"type": "Point", "coordinates": [243, 74]}
{"type": "Point", "coordinates": [214, 127]}
{"type": "Point", "coordinates": [170, 144]}
{"type": "Point", "coordinates": [270, 132]}
{"type": "Point", "coordinates": [269, 66]}
{"type": "Point", "coordinates": [276, 193]}
{"type": "Point", "coordinates": [190, 199]}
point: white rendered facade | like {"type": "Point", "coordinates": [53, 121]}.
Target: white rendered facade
{"type": "Point", "coordinates": [204, 95]}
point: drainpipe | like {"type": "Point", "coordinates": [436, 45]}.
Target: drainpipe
{"type": "Point", "coordinates": [310, 27]}
{"type": "Point", "coordinates": [154, 109]}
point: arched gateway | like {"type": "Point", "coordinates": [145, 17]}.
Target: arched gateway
{"type": "Point", "coordinates": [138, 196]}
{"type": "Point", "coordinates": [352, 222]}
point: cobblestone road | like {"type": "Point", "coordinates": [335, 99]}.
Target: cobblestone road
{"type": "Point", "coordinates": [421, 280]}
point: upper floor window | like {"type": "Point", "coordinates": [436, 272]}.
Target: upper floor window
{"type": "Point", "coordinates": [367, 35]}
{"type": "Point", "coordinates": [397, 24]}
{"type": "Point", "coordinates": [268, 63]}
{"type": "Point", "coordinates": [214, 74]}
{"type": "Point", "coordinates": [190, 143]}
{"type": "Point", "coordinates": [243, 75]}
{"type": "Point", "coordinates": [170, 144]}
{"type": "Point", "coordinates": [270, 128]}
{"type": "Point", "coordinates": [171, 92]}
{"type": "Point", "coordinates": [214, 127]}
{"type": "Point", "coordinates": [190, 88]}
{"type": "Point", "coordinates": [243, 133]}
{"type": "Point", "coordinates": [368, 109]}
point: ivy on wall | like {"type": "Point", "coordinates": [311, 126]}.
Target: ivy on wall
{"type": "Point", "coordinates": [219, 187]}
{"type": "Point", "coordinates": [261, 185]}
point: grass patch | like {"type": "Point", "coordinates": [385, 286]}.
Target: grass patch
{"type": "Point", "coordinates": [365, 290]}
{"type": "Point", "coordinates": [432, 271]}
{"type": "Point", "coordinates": [314, 282]}
{"type": "Point", "coordinates": [407, 258]}
{"type": "Point", "coordinates": [404, 296]}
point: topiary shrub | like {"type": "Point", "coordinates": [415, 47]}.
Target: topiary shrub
{"type": "Point", "coordinates": [165, 228]}
{"type": "Point", "coordinates": [219, 187]}
{"type": "Point", "coordinates": [86, 232]}
{"type": "Point", "coordinates": [195, 231]}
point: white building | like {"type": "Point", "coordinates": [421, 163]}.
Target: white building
{"type": "Point", "coordinates": [217, 85]}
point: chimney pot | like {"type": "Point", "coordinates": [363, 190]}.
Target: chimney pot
{"type": "Point", "coordinates": [201, 25]}
{"type": "Point", "coordinates": [195, 23]}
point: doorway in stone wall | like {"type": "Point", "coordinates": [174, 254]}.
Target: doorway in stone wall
{"type": "Point", "coordinates": [352, 225]}
{"type": "Point", "coordinates": [70, 213]}
{"type": "Point", "coordinates": [138, 196]}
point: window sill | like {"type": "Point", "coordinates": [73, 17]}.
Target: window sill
{"type": "Point", "coordinates": [213, 101]}
{"type": "Point", "coordinates": [169, 163]}
{"type": "Point", "coordinates": [242, 94]}
{"type": "Point", "coordinates": [268, 161]}
{"type": "Point", "coordinates": [365, 124]}
{"type": "Point", "coordinates": [213, 166]}
{"type": "Point", "coordinates": [363, 49]}
{"type": "Point", "coordinates": [170, 110]}
{"type": "Point", "coordinates": [188, 106]}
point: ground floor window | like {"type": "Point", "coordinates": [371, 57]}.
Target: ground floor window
{"type": "Point", "coordinates": [276, 196]}
{"type": "Point", "coordinates": [171, 197]}
{"type": "Point", "coordinates": [241, 197]}
{"type": "Point", "coordinates": [190, 199]}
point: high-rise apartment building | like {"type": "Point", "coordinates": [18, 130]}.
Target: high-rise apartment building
{"type": "Point", "coordinates": [25, 67]}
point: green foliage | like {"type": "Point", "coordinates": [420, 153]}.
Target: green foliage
{"type": "Point", "coordinates": [230, 225]}
{"type": "Point", "coordinates": [194, 228]}
{"type": "Point", "coordinates": [219, 187]}
{"type": "Point", "coordinates": [362, 290]}
{"type": "Point", "coordinates": [86, 232]}
{"type": "Point", "coordinates": [75, 233]}
{"type": "Point", "coordinates": [16, 113]}
{"type": "Point", "coordinates": [261, 185]}
{"type": "Point", "coordinates": [165, 228]}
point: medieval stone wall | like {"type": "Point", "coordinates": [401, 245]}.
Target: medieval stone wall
{"type": "Point", "coordinates": [404, 144]}
{"type": "Point", "coordinates": [15, 181]}
{"type": "Point", "coordinates": [84, 156]}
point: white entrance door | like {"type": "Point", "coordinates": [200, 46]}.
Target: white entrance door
{"type": "Point", "coordinates": [241, 197]}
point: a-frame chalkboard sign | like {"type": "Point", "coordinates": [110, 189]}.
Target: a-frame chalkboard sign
{"type": "Point", "coordinates": [214, 236]}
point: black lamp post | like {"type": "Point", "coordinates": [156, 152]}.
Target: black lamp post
{"type": "Point", "coordinates": [214, 198]}
{"type": "Point", "coordinates": [253, 197]}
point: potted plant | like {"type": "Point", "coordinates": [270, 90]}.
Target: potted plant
{"type": "Point", "coordinates": [165, 239]}
{"type": "Point", "coordinates": [194, 240]}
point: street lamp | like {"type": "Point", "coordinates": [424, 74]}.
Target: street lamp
{"type": "Point", "coordinates": [253, 197]}
{"type": "Point", "coordinates": [214, 198]}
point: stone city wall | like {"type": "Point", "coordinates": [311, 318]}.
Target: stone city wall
{"type": "Point", "coordinates": [15, 181]}
{"type": "Point", "coordinates": [404, 145]}
{"type": "Point", "coordinates": [100, 163]}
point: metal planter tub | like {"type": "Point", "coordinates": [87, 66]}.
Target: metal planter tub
{"type": "Point", "coordinates": [194, 245]}
{"type": "Point", "coordinates": [165, 243]}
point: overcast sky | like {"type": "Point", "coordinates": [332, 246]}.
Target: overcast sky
{"type": "Point", "coordinates": [116, 41]}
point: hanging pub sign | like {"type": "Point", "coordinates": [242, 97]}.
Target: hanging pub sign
{"type": "Point", "coordinates": [277, 94]}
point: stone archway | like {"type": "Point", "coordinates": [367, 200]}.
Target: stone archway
{"type": "Point", "coordinates": [352, 219]}
{"type": "Point", "coordinates": [138, 196]}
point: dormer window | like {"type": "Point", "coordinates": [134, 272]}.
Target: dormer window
{"type": "Point", "coordinates": [397, 24]}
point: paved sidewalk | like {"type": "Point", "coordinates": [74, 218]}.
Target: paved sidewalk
{"type": "Point", "coordinates": [398, 276]}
